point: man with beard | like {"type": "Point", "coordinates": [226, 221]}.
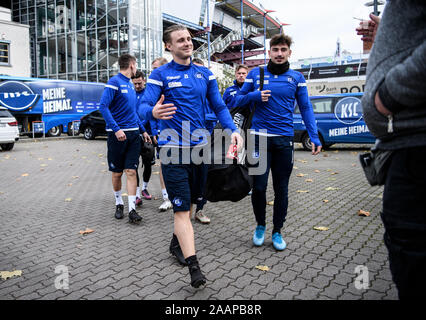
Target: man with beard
{"type": "Point", "coordinates": [273, 118]}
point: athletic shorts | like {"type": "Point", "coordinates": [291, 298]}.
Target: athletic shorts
{"type": "Point", "coordinates": [184, 183]}
{"type": "Point", "coordinates": [123, 154]}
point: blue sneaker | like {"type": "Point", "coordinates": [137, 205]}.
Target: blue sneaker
{"type": "Point", "coordinates": [259, 236]}
{"type": "Point", "coordinates": [278, 241]}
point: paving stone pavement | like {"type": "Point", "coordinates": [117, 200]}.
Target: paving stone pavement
{"type": "Point", "coordinates": [50, 190]}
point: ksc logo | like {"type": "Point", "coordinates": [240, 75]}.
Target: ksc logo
{"type": "Point", "coordinates": [348, 110]}
{"type": "Point", "coordinates": [17, 96]}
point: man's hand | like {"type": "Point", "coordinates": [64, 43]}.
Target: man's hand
{"type": "Point", "coordinates": [380, 106]}
{"type": "Point", "coordinates": [315, 149]}
{"type": "Point", "coordinates": [146, 137]}
{"type": "Point", "coordinates": [368, 28]}
{"type": "Point", "coordinates": [154, 140]}
{"type": "Point", "coordinates": [163, 111]}
{"type": "Point", "coordinates": [238, 140]}
{"type": "Point", "coordinates": [121, 136]}
{"type": "Point", "coordinates": [265, 94]}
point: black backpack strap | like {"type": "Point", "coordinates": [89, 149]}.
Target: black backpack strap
{"type": "Point", "coordinates": [262, 79]}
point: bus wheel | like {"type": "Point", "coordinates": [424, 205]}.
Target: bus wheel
{"type": "Point", "coordinates": [307, 145]}
{"type": "Point", "coordinates": [54, 132]}
{"type": "Point", "coordinates": [89, 133]}
{"type": "Point", "coordinates": [7, 146]}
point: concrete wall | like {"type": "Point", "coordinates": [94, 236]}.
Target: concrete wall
{"type": "Point", "coordinates": [19, 49]}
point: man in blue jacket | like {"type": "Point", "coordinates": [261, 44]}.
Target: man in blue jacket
{"type": "Point", "coordinates": [150, 126]}
{"type": "Point", "coordinates": [230, 93]}
{"type": "Point", "coordinates": [118, 107]}
{"type": "Point", "coordinates": [273, 118]}
{"type": "Point", "coordinates": [176, 93]}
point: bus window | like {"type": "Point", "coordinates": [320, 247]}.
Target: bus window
{"type": "Point", "coordinates": [322, 105]}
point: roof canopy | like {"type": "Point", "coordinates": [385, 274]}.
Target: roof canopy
{"type": "Point", "coordinates": [252, 13]}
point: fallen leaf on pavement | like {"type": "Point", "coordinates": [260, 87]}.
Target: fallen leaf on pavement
{"type": "Point", "coordinates": [155, 172]}
{"type": "Point", "coordinates": [87, 231]}
{"type": "Point", "coordinates": [270, 203]}
{"type": "Point", "coordinates": [69, 184]}
{"type": "Point", "coordinates": [68, 199]}
{"type": "Point", "coordinates": [331, 189]}
{"type": "Point", "coordinates": [263, 268]}
{"type": "Point", "coordinates": [325, 155]}
{"type": "Point", "coordinates": [25, 175]}
{"type": "Point", "coordinates": [317, 171]}
{"type": "Point", "coordinates": [75, 177]}
{"type": "Point", "coordinates": [124, 194]}
{"type": "Point", "coordinates": [325, 200]}
{"type": "Point", "coordinates": [363, 213]}
{"type": "Point", "coordinates": [320, 228]}
{"type": "Point", "coordinates": [300, 175]}
{"type": "Point", "coordinates": [9, 274]}
{"type": "Point", "coordinates": [295, 168]}
{"type": "Point", "coordinates": [303, 161]}
{"type": "Point", "coordinates": [302, 191]}
{"type": "Point", "coordinates": [43, 165]}
{"type": "Point", "coordinates": [333, 173]}
{"type": "Point", "coordinates": [309, 180]}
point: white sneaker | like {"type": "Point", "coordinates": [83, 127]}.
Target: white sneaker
{"type": "Point", "coordinates": [166, 205]}
{"type": "Point", "coordinates": [200, 216]}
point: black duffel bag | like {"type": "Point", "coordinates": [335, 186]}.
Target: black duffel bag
{"type": "Point", "coordinates": [228, 182]}
{"type": "Point", "coordinates": [231, 182]}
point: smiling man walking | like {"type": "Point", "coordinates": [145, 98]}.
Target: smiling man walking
{"type": "Point", "coordinates": [182, 90]}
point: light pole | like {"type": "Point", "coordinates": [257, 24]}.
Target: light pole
{"type": "Point", "coordinates": [208, 32]}
{"type": "Point", "coordinates": [264, 31]}
{"type": "Point", "coordinates": [242, 31]}
{"type": "Point", "coordinates": [375, 4]}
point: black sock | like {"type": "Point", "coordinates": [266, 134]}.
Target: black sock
{"type": "Point", "coordinates": [175, 241]}
{"type": "Point", "coordinates": [192, 260]}
{"type": "Point", "coordinates": [276, 230]}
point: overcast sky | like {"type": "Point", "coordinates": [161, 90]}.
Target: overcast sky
{"type": "Point", "coordinates": [316, 25]}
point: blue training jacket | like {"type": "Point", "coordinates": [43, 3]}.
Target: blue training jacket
{"type": "Point", "coordinates": [230, 94]}
{"type": "Point", "coordinates": [276, 115]}
{"type": "Point", "coordinates": [118, 105]}
{"type": "Point", "coordinates": [150, 125]}
{"type": "Point", "coordinates": [189, 88]}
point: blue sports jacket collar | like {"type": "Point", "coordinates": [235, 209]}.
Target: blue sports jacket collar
{"type": "Point", "coordinates": [122, 76]}
{"type": "Point", "coordinates": [180, 67]}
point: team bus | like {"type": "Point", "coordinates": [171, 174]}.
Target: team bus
{"type": "Point", "coordinates": [48, 106]}
{"type": "Point", "coordinates": [339, 119]}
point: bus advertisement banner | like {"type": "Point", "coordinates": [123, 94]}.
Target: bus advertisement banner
{"type": "Point", "coordinates": [56, 102]}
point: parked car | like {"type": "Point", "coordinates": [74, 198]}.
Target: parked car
{"type": "Point", "coordinates": [9, 132]}
{"type": "Point", "coordinates": [92, 125]}
{"type": "Point", "coordinates": [339, 120]}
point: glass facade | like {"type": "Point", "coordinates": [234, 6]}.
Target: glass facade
{"type": "Point", "coordinates": [82, 39]}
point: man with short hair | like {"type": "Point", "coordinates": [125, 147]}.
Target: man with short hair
{"type": "Point", "coordinates": [230, 93]}
{"type": "Point", "coordinates": [118, 107]}
{"type": "Point", "coordinates": [211, 121]}
{"type": "Point", "coordinates": [147, 162]}
{"type": "Point", "coordinates": [166, 205]}
{"type": "Point", "coordinates": [274, 114]}
{"type": "Point", "coordinates": [176, 94]}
